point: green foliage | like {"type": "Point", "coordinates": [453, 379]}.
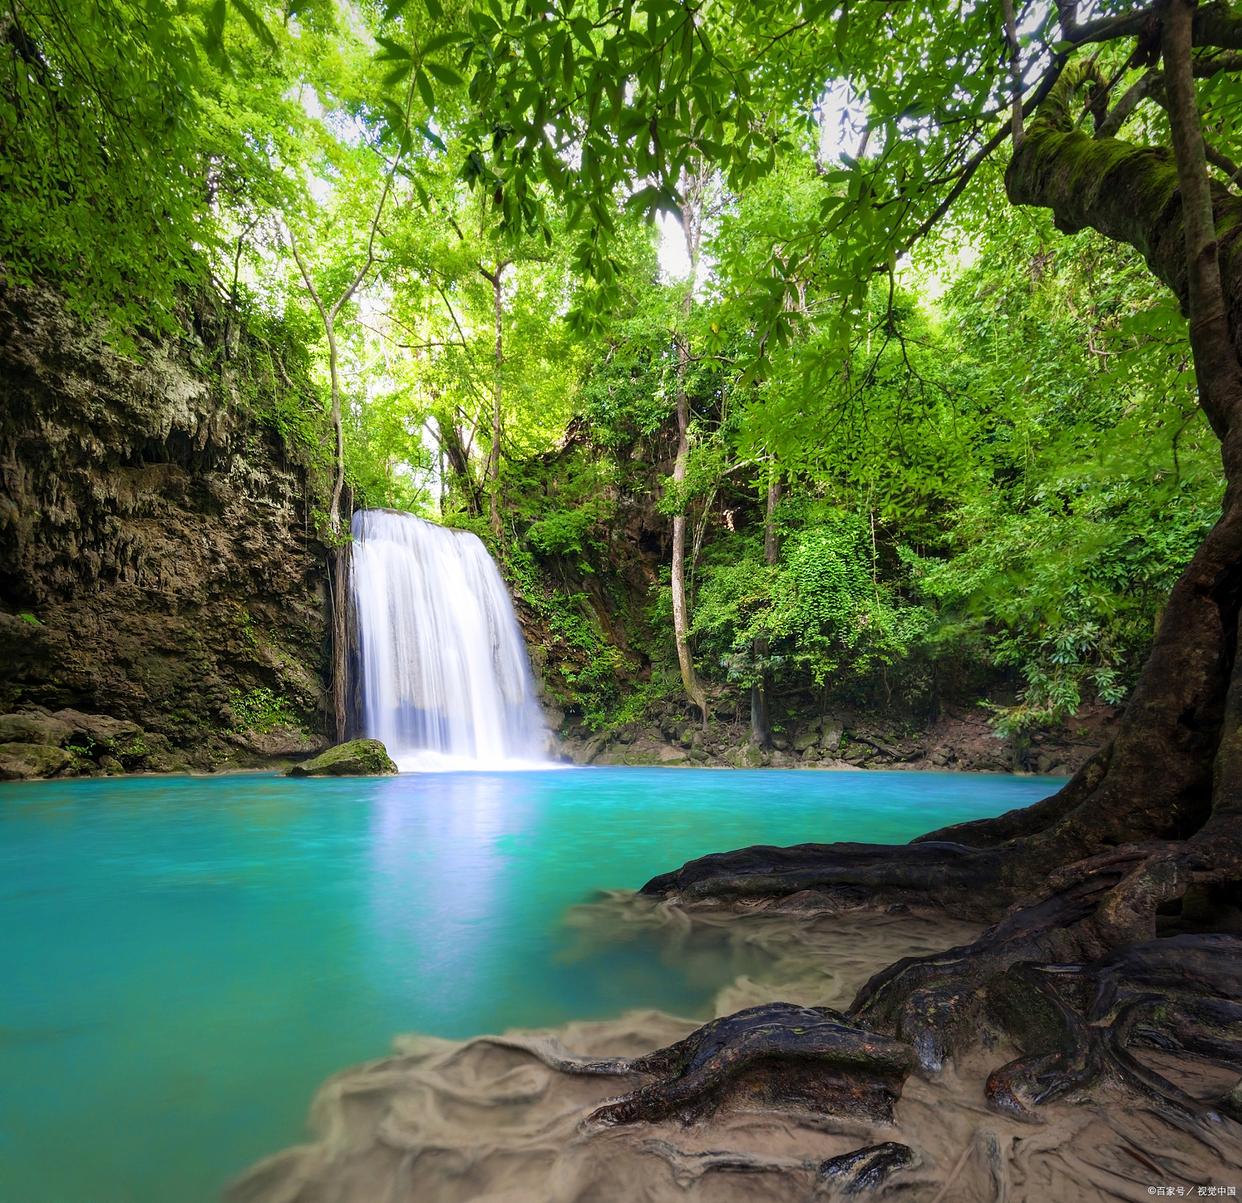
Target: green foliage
{"type": "Point", "coordinates": [564, 531]}
{"type": "Point", "coordinates": [987, 444]}
{"type": "Point", "coordinates": [259, 709]}
{"type": "Point", "coordinates": [585, 667]}
{"type": "Point", "coordinates": [822, 613]}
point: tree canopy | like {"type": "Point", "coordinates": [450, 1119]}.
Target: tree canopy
{"type": "Point", "coordinates": [980, 436]}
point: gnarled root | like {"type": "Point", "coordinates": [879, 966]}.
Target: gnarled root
{"type": "Point", "coordinates": [936, 873]}
{"type": "Point", "coordinates": [809, 1059]}
{"type": "Point", "coordinates": [868, 1168]}
{"type": "Point", "coordinates": [1077, 1023]}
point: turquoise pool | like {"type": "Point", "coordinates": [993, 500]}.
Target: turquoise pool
{"type": "Point", "coordinates": [185, 959]}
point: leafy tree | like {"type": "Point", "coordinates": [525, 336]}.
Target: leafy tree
{"type": "Point", "coordinates": [635, 93]}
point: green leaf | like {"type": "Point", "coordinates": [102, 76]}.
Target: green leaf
{"type": "Point", "coordinates": [256, 23]}
{"type": "Point", "coordinates": [392, 50]}
{"type": "Point", "coordinates": [446, 75]}
{"type": "Point", "coordinates": [425, 90]}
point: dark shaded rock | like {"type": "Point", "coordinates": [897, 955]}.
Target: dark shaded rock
{"type": "Point", "coordinates": [158, 559]}
{"type": "Point", "coordinates": [867, 1168]}
{"type": "Point", "coordinates": [354, 758]}
{"type": "Point", "coordinates": [21, 761]}
{"type": "Point", "coordinates": [99, 732]}
{"type": "Point", "coordinates": [34, 727]}
{"type": "Point", "coordinates": [283, 740]}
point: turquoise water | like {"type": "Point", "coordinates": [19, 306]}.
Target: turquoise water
{"type": "Point", "coordinates": [185, 959]}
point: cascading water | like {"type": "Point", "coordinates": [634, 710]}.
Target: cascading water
{"type": "Point", "coordinates": [446, 682]}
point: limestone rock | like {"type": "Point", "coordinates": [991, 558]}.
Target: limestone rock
{"type": "Point", "coordinates": [748, 756]}
{"type": "Point", "coordinates": [113, 735]}
{"type": "Point", "coordinates": [354, 758]}
{"type": "Point", "coordinates": [282, 740]}
{"type": "Point", "coordinates": [32, 727]}
{"type": "Point", "coordinates": [671, 755]}
{"type": "Point", "coordinates": [159, 559]}
{"type": "Point", "coordinates": [20, 761]}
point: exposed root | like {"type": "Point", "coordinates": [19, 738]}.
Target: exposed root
{"type": "Point", "coordinates": [869, 1168]}
{"type": "Point", "coordinates": [778, 1055]}
{"type": "Point", "coordinates": [968, 882]}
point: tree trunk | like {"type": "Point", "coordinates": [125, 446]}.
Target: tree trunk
{"type": "Point", "coordinates": [681, 617]}
{"type": "Point", "coordinates": [760, 717]}
{"type": "Point", "coordinates": [496, 279]}
{"type": "Point", "coordinates": [339, 570]}
{"type": "Point", "coordinates": [692, 229]}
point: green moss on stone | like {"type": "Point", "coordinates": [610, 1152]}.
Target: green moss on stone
{"type": "Point", "coordinates": [355, 758]}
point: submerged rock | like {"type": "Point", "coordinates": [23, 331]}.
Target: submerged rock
{"type": "Point", "coordinates": [19, 761]}
{"type": "Point", "coordinates": [354, 758]}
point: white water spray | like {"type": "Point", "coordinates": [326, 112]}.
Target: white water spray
{"type": "Point", "coordinates": [446, 682]}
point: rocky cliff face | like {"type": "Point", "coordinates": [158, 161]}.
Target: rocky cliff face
{"type": "Point", "coordinates": [158, 556]}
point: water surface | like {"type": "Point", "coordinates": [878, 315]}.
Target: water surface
{"type": "Point", "coordinates": [185, 959]}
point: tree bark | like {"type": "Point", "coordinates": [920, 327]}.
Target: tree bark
{"type": "Point", "coordinates": [496, 279]}
{"type": "Point", "coordinates": [692, 229]}
{"type": "Point", "coordinates": [760, 715]}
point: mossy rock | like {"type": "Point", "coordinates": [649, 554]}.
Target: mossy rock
{"type": "Point", "coordinates": [32, 727]}
{"type": "Point", "coordinates": [354, 758]}
{"type": "Point", "coordinates": [116, 736]}
{"type": "Point", "coordinates": [21, 761]}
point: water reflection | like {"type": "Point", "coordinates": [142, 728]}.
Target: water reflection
{"type": "Point", "coordinates": [441, 871]}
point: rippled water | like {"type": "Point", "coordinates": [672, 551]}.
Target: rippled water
{"type": "Point", "coordinates": [185, 959]}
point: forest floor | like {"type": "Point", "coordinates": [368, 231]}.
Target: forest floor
{"type": "Point", "coordinates": [515, 1117]}
{"type": "Point", "coordinates": [960, 738]}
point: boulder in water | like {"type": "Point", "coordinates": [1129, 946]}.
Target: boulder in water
{"type": "Point", "coordinates": [354, 758]}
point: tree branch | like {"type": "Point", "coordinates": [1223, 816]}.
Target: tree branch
{"type": "Point", "coordinates": [1217, 369]}
{"type": "Point", "coordinates": [1015, 69]}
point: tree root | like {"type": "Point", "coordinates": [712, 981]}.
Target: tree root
{"type": "Point", "coordinates": [851, 874]}
{"type": "Point", "coordinates": [1062, 979]}
{"type": "Point", "coordinates": [867, 1168]}
{"type": "Point", "coordinates": [809, 1059]}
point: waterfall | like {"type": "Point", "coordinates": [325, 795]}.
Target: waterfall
{"type": "Point", "coordinates": [446, 682]}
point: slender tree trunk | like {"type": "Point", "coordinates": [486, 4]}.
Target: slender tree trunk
{"type": "Point", "coordinates": [496, 279]}
{"type": "Point", "coordinates": [760, 716]}
{"type": "Point", "coordinates": [338, 430]}
{"type": "Point", "coordinates": [692, 229]}
{"type": "Point", "coordinates": [339, 558]}
{"type": "Point", "coordinates": [681, 618]}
